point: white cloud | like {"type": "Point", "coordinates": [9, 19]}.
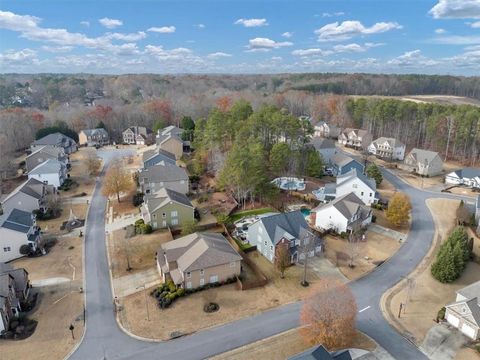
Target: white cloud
{"type": "Point", "coordinates": [412, 58]}
{"type": "Point", "coordinates": [57, 49]}
{"type": "Point", "coordinates": [217, 55]}
{"type": "Point", "coordinates": [163, 29]}
{"type": "Point", "coordinates": [456, 9]}
{"type": "Point", "coordinates": [310, 52]}
{"type": "Point", "coordinates": [18, 58]}
{"type": "Point", "coordinates": [339, 13]}
{"type": "Point", "coordinates": [126, 37]}
{"type": "Point", "coordinates": [14, 22]}
{"type": "Point", "coordinates": [440, 31]}
{"type": "Point", "coordinates": [85, 23]}
{"type": "Point", "coordinates": [264, 44]}
{"type": "Point", "coordinates": [110, 23]}
{"type": "Point", "coordinates": [200, 26]}
{"type": "Point", "coordinates": [355, 47]}
{"type": "Point", "coordinates": [287, 34]}
{"type": "Point", "coordinates": [457, 40]}
{"type": "Point", "coordinates": [161, 53]}
{"type": "Point", "coordinates": [347, 29]}
{"type": "Point", "coordinates": [251, 22]}
{"type": "Point", "coordinates": [475, 25]}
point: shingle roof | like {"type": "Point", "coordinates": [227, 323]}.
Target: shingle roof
{"type": "Point", "coordinates": [49, 166]}
{"type": "Point", "coordinates": [49, 149]}
{"type": "Point", "coordinates": [358, 132]}
{"type": "Point", "coordinates": [347, 205]}
{"type": "Point", "coordinates": [164, 172]}
{"type": "Point", "coordinates": [277, 225]}
{"type": "Point", "coordinates": [5, 280]}
{"type": "Point", "coordinates": [391, 141]}
{"type": "Point", "coordinates": [20, 275]}
{"type": "Point", "coordinates": [470, 291]}
{"type": "Point", "coordinates": [341, 160]}
{"type": "Point", "coordinates": [56, 139]}
{"type": "Point", "coordinates": [160, 154]}
{"type": "Point", "coordinates": [29, 187]}
{"type": "Point", "coordinates": [90, 132]}
{"type": "Point", "coordinates": [353, 173]}
{"type": "Point", "coordinates": [322, 143]}
{"type": "Point", "coordinates": [320, 353]}
{"type": "Point", "coordinates": [199, 250]}
{"type": "Point", "coordinates": [17, 220]}
{"type": "Point", "coordinates": [468, 173]}
{"type": "Point", "coordinates": [423, 156]}
{"type": "Point", "coordinates": [164, 196]}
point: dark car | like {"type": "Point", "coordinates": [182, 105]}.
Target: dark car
{"type": "Point", "coordinates": [196, 214]}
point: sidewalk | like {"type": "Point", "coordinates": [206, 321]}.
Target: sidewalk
{"type": "Point", "coordinates": [387, 232]}
{"type": "Point", "coordinates": [130, 284]}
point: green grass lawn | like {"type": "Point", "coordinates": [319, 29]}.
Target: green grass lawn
{"type": "Point", "coordinates": [241, 244]}
{"type": "Point", "coordinates": [241, 214]}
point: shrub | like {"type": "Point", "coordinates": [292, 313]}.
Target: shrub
{"type": "Point", "coordinates": [180, 292]}
{"type": "Point", "coordinates": [441, 314]}
{"type": "Point", "coordinates": [171, 286]}
{"type": "Point", "coordinates": [137, 199]}
{"type": "Point", "coordinates": [477, 347]}
{"type": "Point", "coordinates": [139, 222]}
{"type": "Point", "coordinates": [374, 218]}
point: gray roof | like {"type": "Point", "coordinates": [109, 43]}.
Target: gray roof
{"type": "Point", "coordinates": [423, 156]}
{"type": "Point", "coordinates": [164, 172]}
{"type": "Point", "coordinates": [470, 291]}
{"type": "Point", "coordinates": [139, 130]}
{"type": "Point", "coordinates": [5, 280]}
{"type": "Point", "coordinates": [163, 197]}
{"type": "Point", "coordinates": [199, 250]}
{"type": "Point", "coordinates": [277, 225]}
{"type": "Point", "coordinates": [160, 155]}
{"type": "Point", "coordinates": [172, 130]}
{"type": "Point", "coordinates": [90, 132]}
{"type": "Point", "coordinates": [477, 202]}
{"type": "Point", "coordinates": [322, 143]}
{"type": "Point", "coordinates": [320, 353]}
{"type": "Point", "coordinates": [49, 166]}
{"type": "Point", "coordinates": [353, 173]}
{"type": "Point", "coordinates": [391, 141]}
{"type": "Point", "coordinates": [342, 160]}
{"type": "Point", "coordinates": [468, 173]}
{"type": "Point", "coordinates": [31, 187]}
{"type": "Point", "coordinates": [56, 139]}
{"type": "Point", "coordinates": [348, 205]}
{"type": "Point", "coordinates": [358, 132]}
{"type": "Point", "coordinates": [17, 220]}
{"type": "Point", "coordinates": [49, 149]}
{"type": "Point", "coordinates": [20, 275]}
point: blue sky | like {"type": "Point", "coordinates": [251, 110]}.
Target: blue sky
{"type": "Point", "coordinates": [128, 36]}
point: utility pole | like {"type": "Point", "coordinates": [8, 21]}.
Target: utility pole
{"type": "Point", "coordinates": [400, 310]}
{"type": "Point", "coordinates": [450, 120]}
{"type": "Point", "coordinates": [127, 253]}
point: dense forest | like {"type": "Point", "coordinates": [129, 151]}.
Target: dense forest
{"type": "Point", "coordinates": [29, 103]}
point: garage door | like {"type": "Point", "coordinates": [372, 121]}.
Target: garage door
{"type": "Point", "coordinates": [452, 320]}
{"type": "Point", "coordinates": [468, 330]}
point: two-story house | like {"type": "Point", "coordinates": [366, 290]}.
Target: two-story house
{"type": "Point", "coordinates": [464, 313]}
{"type": "Point", "coordinates": [29, 196]}
{"type": "Point", "coordinates": [57, 140]}
{"type": "Point", "coordinates": [342, 164]}
{"type": "Point", "coordinates": [424, 162]}
{"type": "Point", "coordinates": [325, 147]}
{"type": "Point", "coordinates": [387, 148]}
{"type": "Point", "coordinates": [344, 214]}
{"type": "Point", "coordinates": [139, 135]}
{"type": "Point", "coordinates": [93, 137]}
{"type": "Point", "coordinates": [198, 259]}
{"type": "Point", "coordinates": [166, 208]}
{"type": "Point", "coordinates": [323, 129]}
{"type": "Point", "coordinates": [17, 228]}
{"type": "Point", "coordinates": [361, 185]}
{"type": "Point", "coordinates": [290, 229]}
{"type": "Point", "coordinates": [51, 172]}
{"type": "Point", "coordinates": [170, 139]}
{"type": "Point", "coordinates": [467, 176]}
{"type": "Point", "coordinates": [163, 175]}
{"type": "Point", "coordinates": [44, 153]}
{"type": "Point", "coordinates": [356, 138]}
{"type": "Point", "coordinates": [153, 157]}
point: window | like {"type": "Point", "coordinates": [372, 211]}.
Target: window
{"type": "Point", "coordinates": [361, 193]}
{"type": "Point", "coordinates": [232, 264]}
{"type": "Point", "coordinates": [189, 285]}
{"type": "Point", "coordinates": [174, 213]}
{"type": "Point", "coordinates": [370, 194]}
{"type": "Point", "coordinates": [189, 275]}
{"type": "Point", "coordinates": [174, 221]}
{"type": "Point", "coordinates": [265, 242]}
{"type": "Point", "coordinates": [7, 248]}
{"type": "Point", "coordinates": [202, 272]}
{"type": "Point", "coordinates": [354, 186]}
{"type": "Point", "coordinates": [154, 216]}
{"type": "Point", "coordinates": [202, 282]}
{"type": "Point", "coordinates": [213, 278]}
{"type": "Point", "coordinates": [271, 247]}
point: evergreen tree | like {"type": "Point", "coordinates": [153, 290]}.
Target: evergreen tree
{"type": "Point", "coordinates": [374, 172]}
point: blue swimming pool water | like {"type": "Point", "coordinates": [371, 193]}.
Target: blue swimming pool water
{"type": "Point", "coordinates": [305, 212]}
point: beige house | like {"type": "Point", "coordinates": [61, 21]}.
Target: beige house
{"type": "Point", "coordinates": [139, 135]}
{"type": "Point", "coordinates": [166, 208]}
{"type": "Point", "coordinates": [170, 139]}
{"type": "Point", "coordinates": [464, 313]}
{"type": "Point", "coordinates": [424, 162]}
{"type": "Point", "coordinates": [197, 259]}
{"type": "Point", "coordinates": [357, 138]}
{"type": "Point", "coordinates": [93, 137]}
{"type": "Point", "coordinates": [322, 129]}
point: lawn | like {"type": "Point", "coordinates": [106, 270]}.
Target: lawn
{"type": "Point", "coordinates": [243, 246]}
{"type": "Point", "coordinates": [241, 214]}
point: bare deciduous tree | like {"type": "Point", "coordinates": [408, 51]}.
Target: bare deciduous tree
{"type": "Point", "coordinates": [117, 180]}
{"type": "Point", "coordinates": [282, 259]}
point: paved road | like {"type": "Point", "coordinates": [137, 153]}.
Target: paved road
{"type": "Point", "coordinates": [104, 340]}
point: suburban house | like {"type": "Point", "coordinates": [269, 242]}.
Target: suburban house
{"type": "Point", "coordinates": [17, 228]}
{"type": "Point", "coordinates": [166, 208]}
{"type": "Point", "coordinates": [361, 185]}
{"type": "Point", "coordinates": [29, 196]}
{"type": "Point", "coordinates": [356, 138]}
{"type": "Point", "coordinates": [44, 153]}
{"type": "Point", "coordinates": [139, 135]}
{"type": "Point", "coordinates": [14, 290]}
{"type": "Point", "coordinates": [424, 162]}
{"type": "Point", "coordinates": [322, 129]}
{"type": "Point", "coordinates": [51, 172]}
{"type": "Point", "coordinates": [325, 147]}
{"type": "Point", "coordinates": [467, 176]}
{"type": "Point", "coordinates": [290, 229]}
{"type": "Point", "coordinates": [170, 139]}
{"type": "Point", "coordinates": [387, 148]}
{"type": "Point", "coordinates": [57, 140]}
{"type": "Point", "coordinates": [341, 164]}
{"type": "Point", "coordinates": [153, 157]}
{"type": "Point", "coordinates": [93, 137]}
{"type": "Point", "coordinates": [344, 214]}
{"type": "Point", "coordinates": [198, 259]}
{"type": "Point", "coordinates": [464, 313]}
{"type": "Point", "coordinates": [163, 175]}
{"type": "Point", "coordinates": [320, 353]}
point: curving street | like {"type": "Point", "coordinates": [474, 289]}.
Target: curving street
{"type": "Point", "coordinates": [105, 340]}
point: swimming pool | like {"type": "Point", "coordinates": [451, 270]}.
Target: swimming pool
{"type": "Point", "coordinates": [306, 212]}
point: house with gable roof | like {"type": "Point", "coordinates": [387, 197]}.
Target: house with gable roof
{"type": "Point", "coordinates": [424, 162]}
{"type": "Point", "coordinates": [341, 164]}
{"type": "Point", "coordinates": [170, 139]}
{"type": "Point", "coordinates": [29, 196]}
{"type": "Point", "coordinates": [387, 148]}
{"type": "Point", "coordinates": [464, 313]}
{"type": "Point", "coordinates": [57, 140]}
{"type": "Point", "coordinates": [44, 153]}
{"type": "Point", "coordinates": [50, 172]}
{"type": "Point", "coordinates": [93, 137]}
{"type": "Point", "coordinates": [356, 138]}
{"type": "Point", "coordinates": [153, 157]}
{"type": "Point", "coordinates": [467, 176]}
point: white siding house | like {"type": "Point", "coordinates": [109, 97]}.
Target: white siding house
{"type": "Point", "coordinates": [362, 186]}
{"type": "Point", "coordinates": [51, 172]}
{"type": "Point", "coordinates": [464, 313]}
{"type": "Point", "coordinates": [468, 176]}
{"type": "Point", "coordinates": [387, 148]}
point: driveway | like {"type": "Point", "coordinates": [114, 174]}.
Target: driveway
{"type": "Point", "coordinates": [443, 342]}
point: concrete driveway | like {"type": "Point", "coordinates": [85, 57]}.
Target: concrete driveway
{"type": "Point", "coordinates": [442, 342]}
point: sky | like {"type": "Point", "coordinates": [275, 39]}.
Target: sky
{"type": "Point", "coordinates": [247, 36]}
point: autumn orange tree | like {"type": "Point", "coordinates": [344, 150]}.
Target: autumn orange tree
{"type": "Point", "coordinates": [93, 163]}
{"type": "Point", "coordinates": [282, 259]}
{"type": "Point", "coordinates": [116, 180]}
{"type": "Point", "coordinates": [328, 315]}
{"type": "Point", "coordinates": [398, 211]}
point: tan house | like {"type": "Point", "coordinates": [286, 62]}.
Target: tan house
{"type": "Point", "coordinates": [139, 135]}
{"type": "Point", "coordinates": [166, 208]}
{"type": "Point", "coordinates": [93, 137]}
{"type": "Point", "coordinates": [198, 259]}
{"type": "Point", "coordinates": [322, 129]}
{"type": "Point", "coordinates": [356, 138]}
{"type": "Point", "coordinates": [464, 313]}
{"type": "Point", "coordinates": [170, 139]}
{"type": "Point", "coordinates": [424, 162]}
